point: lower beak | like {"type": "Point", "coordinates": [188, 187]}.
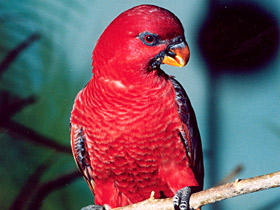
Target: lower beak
{"type": "Point", "coordinates": [177, 55]}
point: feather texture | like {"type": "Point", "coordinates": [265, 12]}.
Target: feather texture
{"type": "Point", "coordinates": [133, 131]}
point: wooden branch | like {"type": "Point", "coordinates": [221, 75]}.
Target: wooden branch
{"type": "Point", "coordinates": [212, 195]}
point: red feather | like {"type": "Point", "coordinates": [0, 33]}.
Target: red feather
{"type": "Point", "coordinates": [125, 125]}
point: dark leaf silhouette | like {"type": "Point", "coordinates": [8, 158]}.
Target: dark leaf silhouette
{"type": "Point", "coordinates": [13, 54]}
{"type": "Point", "coordinates": [46, 188]}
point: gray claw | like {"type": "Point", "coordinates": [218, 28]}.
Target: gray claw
{"type": "Point", "coordinates": [93, 207]}
{"type": "Point", "coordinates": [181, 199]}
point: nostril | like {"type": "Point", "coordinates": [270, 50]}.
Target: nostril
{"type": "Point", "coordinates": [170, 53]}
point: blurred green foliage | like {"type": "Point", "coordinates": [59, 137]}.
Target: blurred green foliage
{"type": "Point", "coordinates": [42, 70]}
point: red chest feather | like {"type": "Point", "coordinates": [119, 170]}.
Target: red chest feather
{"type": "Point", "coordinates": [133, 142]}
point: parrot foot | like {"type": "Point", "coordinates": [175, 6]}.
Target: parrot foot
{"type": "Point", "coordinates": [181, 199]}
{"type": "Point", "coordinates": [94, 207]}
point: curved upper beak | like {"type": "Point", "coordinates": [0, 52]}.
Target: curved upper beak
{"type": "Point", "coordinates": [177, 54]}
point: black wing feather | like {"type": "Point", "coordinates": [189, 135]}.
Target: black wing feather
{"type": "Point", "coordinates": [79, 147]}
{"type": "Point", "coordinates": [187, 116]}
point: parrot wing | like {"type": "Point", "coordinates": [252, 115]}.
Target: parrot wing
{"type": "Point", "coordinates": [189, 132]}
{"type": "Point", "coordinates": [80, 151]}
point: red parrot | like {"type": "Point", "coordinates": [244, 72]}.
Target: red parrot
{"type": "Point", "coordinates": [133, 129]}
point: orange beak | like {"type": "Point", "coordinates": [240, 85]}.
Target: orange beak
{"type": "Point", "coordinates": [177, 55]}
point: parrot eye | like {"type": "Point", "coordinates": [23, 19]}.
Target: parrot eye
{"type": "Point", "coordinates": [149, 39]}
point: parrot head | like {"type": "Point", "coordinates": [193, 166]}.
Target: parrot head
{"type": "Point", "coordinates": [137, 42]}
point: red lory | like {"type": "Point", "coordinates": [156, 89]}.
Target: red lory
{"type": "Point", "coordinates": [133, 129]}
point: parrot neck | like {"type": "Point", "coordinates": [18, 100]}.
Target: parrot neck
{"type": "Point", "coordinates": [137, 78]}
{"type": "Point", "coordinates": [150, 86]}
